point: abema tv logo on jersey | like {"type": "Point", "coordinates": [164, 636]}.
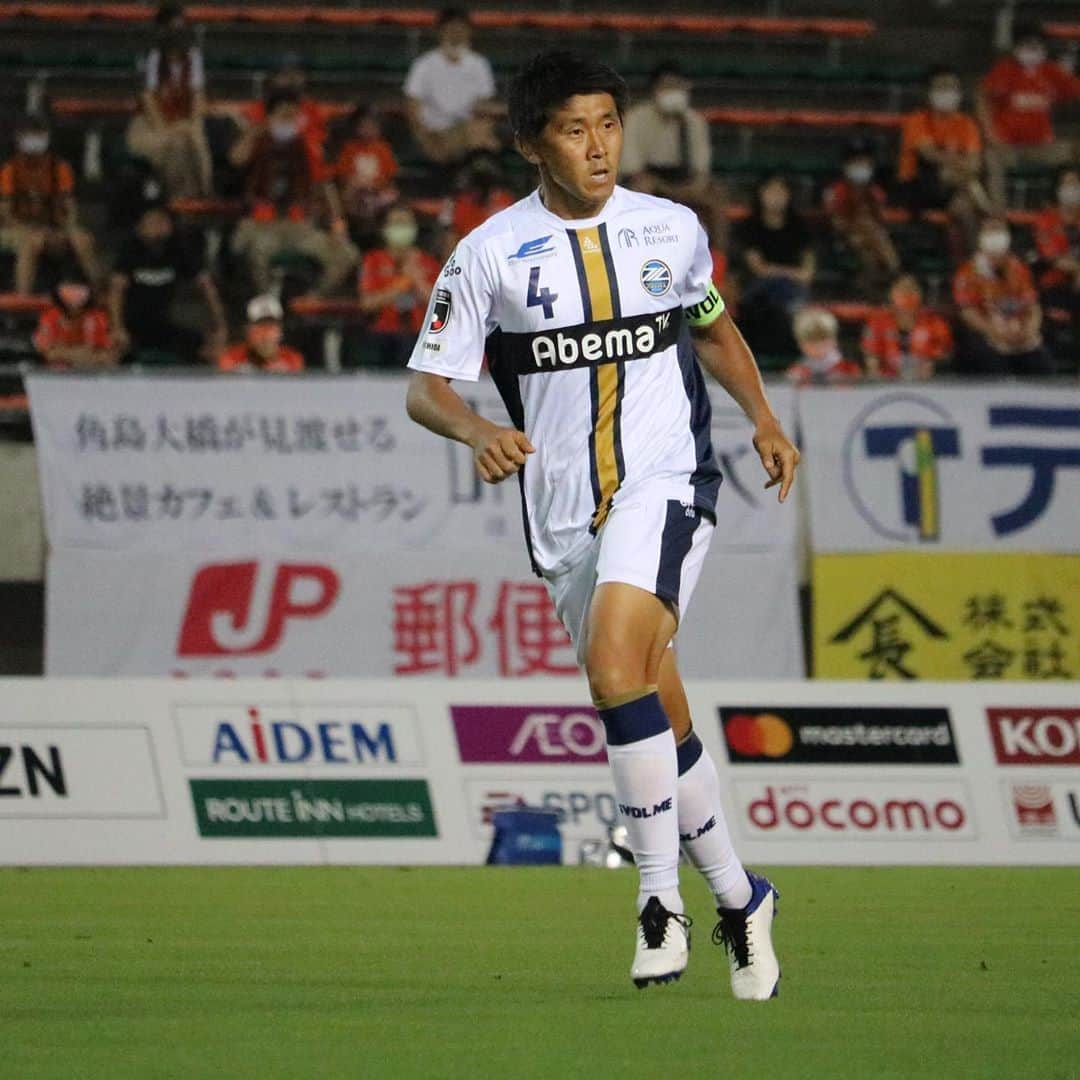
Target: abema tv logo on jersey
{"type": "Point", "coordinates": [268, 734]}
{"type": "Point", "coordinates": [870, 809]}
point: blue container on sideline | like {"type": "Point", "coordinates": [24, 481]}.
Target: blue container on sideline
{"type": "Point", "coordinates": [525, 837]}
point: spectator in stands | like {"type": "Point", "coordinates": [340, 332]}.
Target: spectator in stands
{"type": "Point", "coordinates": [73, 333]}
{"type": "Point", "coordinates": [168, 131]}
{"type": "Point", "coordinates": [365, 172]}
{"type": "Point", "coordinates": [777, 250]}
{"type": "Point", "coordinates": [38, 216]}
{"type": "Point", "coordinates": [1057, 238]}
{"type": "Point", "coordinates": [449, 94]}
{"type": "Point", "coordinates": [999, 309]}
{"type": "Point", "coordinates": [667, 151]}
{"type": "Point", "coordinates": [152, 261]}
{"type": "Point", "coordinates": [941, 161]}
{"type": "Point", "coordinates": [395, 283]}
{"type": "Point", "coordinates": [289, 77]}
{"type": "Point", "coordinates": [855, 205]}
{"type": "Point", "coordinates": [822, 363]}
{"type": "Point", "coordinates": [284, 182]}
{"type": "Point", "coordinates": [481, 193]}
{"type": "Point", "coordinates": [1015, 106]}
{"type": "Point", "coordinates": [905, 340]}
{"type": "Point", "coordinates": [263, 347]}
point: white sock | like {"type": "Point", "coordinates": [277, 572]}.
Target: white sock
{"type": "Point", "coordinates": [703, 829]}
{"type": "Point", "coordinates": [641, 752]}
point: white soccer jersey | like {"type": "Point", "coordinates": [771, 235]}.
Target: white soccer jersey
{"type": "Point", "coordinates": [585, 328]}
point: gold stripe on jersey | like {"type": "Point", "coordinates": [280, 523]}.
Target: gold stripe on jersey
{"type": "Point", "coordinates": [600, 303]}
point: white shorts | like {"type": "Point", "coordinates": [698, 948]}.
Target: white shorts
{"type": "Point", "coordinates": [655, 543]}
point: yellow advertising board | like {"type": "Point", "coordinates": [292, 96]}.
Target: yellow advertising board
{"type": "Point", "coordinates": [915, 615]}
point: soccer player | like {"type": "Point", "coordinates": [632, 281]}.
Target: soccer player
{"type": "Point", "coordinates": [591, 301]}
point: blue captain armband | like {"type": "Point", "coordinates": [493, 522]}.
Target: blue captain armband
{"type": "Point", "coordinates": [706, 311]}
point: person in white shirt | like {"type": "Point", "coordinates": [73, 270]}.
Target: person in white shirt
{"type": "Point", "coordinates": [596, 310]}
{"type": "Point", "coordinates": [449, 94]}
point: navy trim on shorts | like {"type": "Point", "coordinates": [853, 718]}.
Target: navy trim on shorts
{"type": "Point", "coordinates": [675, 543]}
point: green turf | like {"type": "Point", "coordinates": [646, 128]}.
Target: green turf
{"type": "Point", "coordinates": [480, 973]}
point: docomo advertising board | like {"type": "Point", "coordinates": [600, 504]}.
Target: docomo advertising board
{"type": "Point", "coordinates": [302, 771]}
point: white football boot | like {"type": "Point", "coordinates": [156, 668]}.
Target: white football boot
{"type": "Point", "coordinates": [663, 945]}
{"type": "Point", "coordinates": [746, 937]}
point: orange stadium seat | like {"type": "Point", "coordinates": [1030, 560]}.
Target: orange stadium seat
{"type": "Point", "coordinates": [1068, 31]}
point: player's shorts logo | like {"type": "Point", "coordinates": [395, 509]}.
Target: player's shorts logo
{"type": "Point", "coordinates": [656, 277]}
{"type": "Point", "coordinates": [440, 313]}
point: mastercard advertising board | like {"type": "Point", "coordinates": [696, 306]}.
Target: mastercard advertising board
{"type": "Point", "coordinates": [840, 735]}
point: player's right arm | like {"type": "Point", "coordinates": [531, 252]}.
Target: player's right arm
{"type": "Point", "coordinates": [458, 320]}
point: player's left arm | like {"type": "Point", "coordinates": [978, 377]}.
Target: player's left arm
{"type": "Point", "coordinates": [726, 356]}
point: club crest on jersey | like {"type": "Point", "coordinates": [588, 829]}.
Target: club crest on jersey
{"type": "Point", "coordinates": [656, 277]}
{"type": "Point", "coordinates": [440, 313]}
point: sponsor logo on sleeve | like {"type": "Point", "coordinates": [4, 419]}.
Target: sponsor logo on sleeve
{"type": "Point", "coordinates": [796, 735]}
{"type": "Point", "coordinates": [440, 312]}
{"type": "Point", "coordinates": [1035, 736]}
{"type": "Point", "coordinates": [529, 735]}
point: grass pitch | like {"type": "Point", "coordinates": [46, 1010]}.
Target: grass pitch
{"type": "Point", "coordinates": [445, 973]}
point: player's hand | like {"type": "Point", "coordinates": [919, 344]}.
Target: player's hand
{"type": "Point", "coordinates": [778, 455]}
{"type": "Point", "coordinates": [500, 452]}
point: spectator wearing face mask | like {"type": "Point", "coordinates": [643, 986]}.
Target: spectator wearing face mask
{"type": "Point", "coordinates": [73, 333]}
{"type": "Point", "coordinates": [395, 283]}
{"type": "Point", "coordinates": [289, 77]}
{"type": "Point", "coordinates": [449, 94]}
{"type": "Point", "coordinates": [905, 340]}
{"type": "Point", "coordinates": [1057, 238]}
{"type": "Point", "coordinates": [168, 131]}
{"type": "Point", "coordinates": [822, 363]}
{"type": "Point", "coordinates": [854, 205]}
{"type": "Point", "coordinates": [38, 216]}
{"type": "Point", "coordinates": [999, 308]}
{"type": "Point", "coordinates": [941, 161]}
{"type": "Point", "coordinates": [286, 190]}
{"type": "Point", "coordinates": [365, 172]}
{"type": "Point", "coordinates": [481, 193]}
{"type": "Point", "coordinates": [1016, 105]}
{"type": "Point", "coordinates": [667, 151]}
{"type": "Point", "coordinates": [263, 347]}
{"type": "Point", "coordinates": [152, 262]}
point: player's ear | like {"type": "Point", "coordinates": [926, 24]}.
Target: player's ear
{"type": "Point", "coordinates": [527, 150]}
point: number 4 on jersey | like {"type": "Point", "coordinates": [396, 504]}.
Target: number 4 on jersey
{"type": "Point", "coordinates": [538, 297]}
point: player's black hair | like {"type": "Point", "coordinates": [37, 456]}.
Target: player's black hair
{"type": "Point", "coordinates": [664, 68]}
{"type": "Point", "coordinates": [551, 77]}
{"type": "Point", "coordinates": [451, 14]}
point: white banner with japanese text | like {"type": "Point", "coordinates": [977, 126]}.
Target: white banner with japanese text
{"type": "Point", "coordinates": [322, 463]}
{"type": "Point", "coordinates": [401, 613]}
{"type": "Point", "coordinates": [990, 467]}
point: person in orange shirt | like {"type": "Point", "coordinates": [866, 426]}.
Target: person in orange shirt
{"type": "Point", "coordinates": [37, 207]}
{"type": "Point", "coordinates": [905, 340]}
{"type": "Point", "coordinates": [395, 283]}
{"type": "Point", "coordinates": [263, 348]}
{"type": "Point", "coordinates": [365, 172]}
{"type": "Point", "coordinates": [1057, 238]}
{"type": "Point", "coordinates": [73, 332]}
{"type": "Point", "coordinates": [854, 205]}
{"type": "Point", "coordinates": [1015, 106]}
{"type": "Point", "coordinates": [1000, 310]}
{"type": "Point", "coordinates": [289, 77]}
{"type": "Point", "coordinates": [941, 160]}
{"type": "Point", "coordinates": [481, 193]}
{"type": "Point", "coordinates": [822, 363]}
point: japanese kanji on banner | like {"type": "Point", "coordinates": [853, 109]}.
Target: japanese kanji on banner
{"type": "Point", "coordinates": [939, 468]}
{"type": "Point", "coordinates": [328, 463]}
{"type": "Point", "coordinates": [406, 614]}
{"type": "Point", "coordinates": [909, 615]}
